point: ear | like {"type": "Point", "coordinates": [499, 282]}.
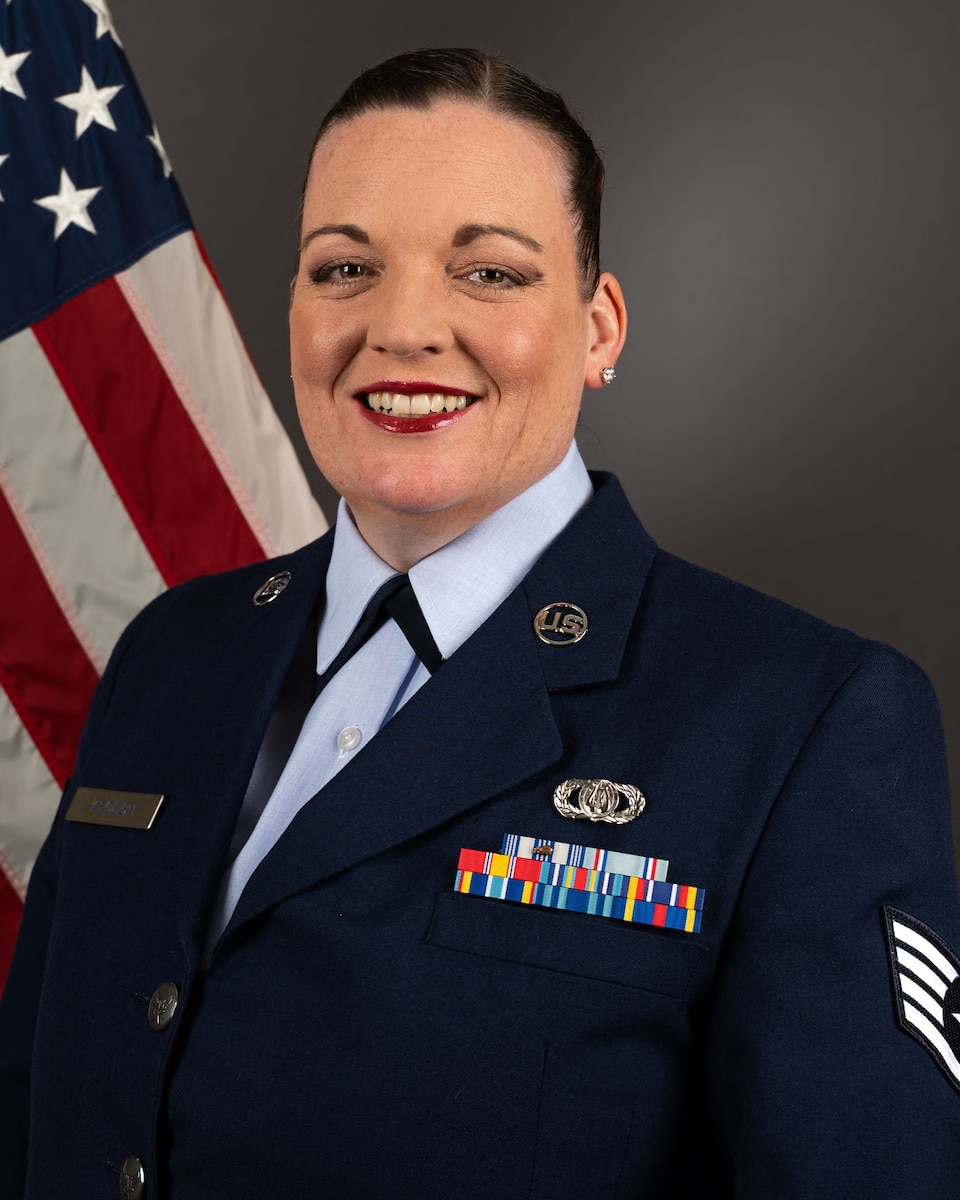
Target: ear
{"type": "Point", "coordinates": [608, 324]}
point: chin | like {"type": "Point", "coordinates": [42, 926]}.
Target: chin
{"type": "Point", "coordinates": [420, 492]}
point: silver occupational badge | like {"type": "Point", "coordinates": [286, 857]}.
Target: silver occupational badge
{"type": "Point", "coordinates": [271, 589]}
{"type": "Point", "coordinates": [560, 623]}
{"type": "Point", "coordinates": [598, 800]}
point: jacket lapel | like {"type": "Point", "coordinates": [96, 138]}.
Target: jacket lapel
{"type": "Point", "coordinates": [243, 653]}
{"type": "Point", "coordinates": [444, 752]}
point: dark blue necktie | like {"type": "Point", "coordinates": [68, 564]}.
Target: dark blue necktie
{"type": "Point", "coordinates": [395, 598]}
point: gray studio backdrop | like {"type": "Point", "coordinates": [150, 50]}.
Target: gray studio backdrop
{"type": "Point", "coordinates": [782, 211]}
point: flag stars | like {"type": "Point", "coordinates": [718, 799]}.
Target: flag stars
{"type": "Point", "coordinates": [90, 103]}
{"type": "Point", "coordinates": [3, 158]}
{"type": "Point", "coordinates": [104, 20]}
{"type": "Point", "coordinates": [154, 140]}
{"type": "Point", "coordinates": [70, 205]}
{"type": "Point", "coordinates": [10, 64]}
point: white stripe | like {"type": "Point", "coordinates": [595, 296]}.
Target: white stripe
{"type": "Point", "coordinates": [48, 571]}
{"type": "Point", "coordinates": [30, 796]}
{"type": "Point", "coordinates": [925, 947]}
{"type": "Point", "coordinates": [84, 541]}
{"type": "Point", "coordinates": [186, 320]}
{"type": "Point", "coordinates": [923, 998]}
{"type": "Point", "coordinates": [922, 971]}
{"type": "Point", "coordinates": [934, 1036]}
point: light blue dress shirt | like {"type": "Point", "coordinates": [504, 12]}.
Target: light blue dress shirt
{"type": "Point", "coordinates": [458, 587]}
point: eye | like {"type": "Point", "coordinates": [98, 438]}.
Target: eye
{"type": "Point", "coordinates": [494, 277]}
{"type": "Point", "coordinates": [339, 273]}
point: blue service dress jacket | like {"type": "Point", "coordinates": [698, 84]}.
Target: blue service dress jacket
{"type": "Point", "coordinates": [364, 1029]}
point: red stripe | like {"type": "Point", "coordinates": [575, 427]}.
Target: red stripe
{"type": "Point", "coordinates": [156, 460]}
{"type": "Point", "coordinates": [10, 912]}
{"type": "Point", "coordinates": [43, 668]}
{"type": "Point", "coordinates": [659, 915]}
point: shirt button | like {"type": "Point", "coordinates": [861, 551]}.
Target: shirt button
{"type": "Point", "coordinates": [349, 738]}
{"type": "Point", "coordinates": [163, 1004]}
{"type": "Point", "coordinates": [132, 1178]}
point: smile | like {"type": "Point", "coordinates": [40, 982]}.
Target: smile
{"type": "Point", "coordinates": [420, 404]}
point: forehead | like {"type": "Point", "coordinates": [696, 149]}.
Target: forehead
{"type": "Point", "coordinates": [477, 162]}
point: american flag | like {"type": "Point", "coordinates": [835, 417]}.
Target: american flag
{"type": "Point", "coordinates": [137, 446]}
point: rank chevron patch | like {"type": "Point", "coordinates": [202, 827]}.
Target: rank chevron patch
{"type": "Point", "coordinates": [926, 985]}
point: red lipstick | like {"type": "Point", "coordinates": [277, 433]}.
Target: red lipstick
{"type": "Point", "coordinates": [424, 423]}
{"type": "Point", "coordinates": [416, 388]}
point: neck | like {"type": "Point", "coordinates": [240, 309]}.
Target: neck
{"type": "Point", "coordinates": [403, 539]}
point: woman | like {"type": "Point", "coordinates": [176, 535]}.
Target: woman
{"type": "Point", "coordinates": [315, 973]}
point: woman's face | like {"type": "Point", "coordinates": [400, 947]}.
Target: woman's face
{"type": "Point", "coordinates": [438, 277]}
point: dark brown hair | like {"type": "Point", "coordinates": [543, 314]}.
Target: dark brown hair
{"type": "Point", "coordinates": [418, 78]}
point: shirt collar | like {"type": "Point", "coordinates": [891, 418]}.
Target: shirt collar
{"type": "Point", "coordinates": [460, 585]}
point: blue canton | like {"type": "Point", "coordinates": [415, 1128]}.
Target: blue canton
{"type": "Point", "coordinates": [85, 187]}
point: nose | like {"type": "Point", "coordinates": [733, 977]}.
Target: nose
{"type": "Point", "coordinates": [410, 316]}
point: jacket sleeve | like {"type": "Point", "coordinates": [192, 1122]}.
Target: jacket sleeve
{"type": "Point", "coordinates": [816, 1088]}
{"type": "Point", "coordinates": [23, 990]}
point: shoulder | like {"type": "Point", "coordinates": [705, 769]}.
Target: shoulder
{"type": "Point", "coordinates": [177, 630]}
{"type": "Point", "coordinates": [738, 618]}
{"type": "Point", "coordinates": [210, 593]}
{"type": "Point", "coordinates": [699, 638]}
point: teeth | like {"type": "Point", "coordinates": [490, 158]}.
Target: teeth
{"type": "Point", "coordinates": [419, 405]}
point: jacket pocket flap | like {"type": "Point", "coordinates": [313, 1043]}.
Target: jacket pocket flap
{"type": "Point", "coordinates": [576, 944]}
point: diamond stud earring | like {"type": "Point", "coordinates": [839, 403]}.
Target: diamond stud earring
{"type": "Point", "coordinates": [607, 375]}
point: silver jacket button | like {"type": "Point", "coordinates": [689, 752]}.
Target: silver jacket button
{"type": "Point", "coordinates": [163, 1004]}
{"type": "Point", "coordinates": [132, 1179]}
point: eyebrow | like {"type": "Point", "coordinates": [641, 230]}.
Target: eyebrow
{"type": "Point", "coordinates": [469, 233]}
{"type": "Point", "coordinates": [353, 232]}
{"type": "Point", "coordinates": [463, 237]}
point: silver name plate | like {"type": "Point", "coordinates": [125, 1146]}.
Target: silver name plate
{"type": "Point", "coordinates": [101, 806]}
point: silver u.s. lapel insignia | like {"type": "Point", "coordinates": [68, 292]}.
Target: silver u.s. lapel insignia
{"type": "Point", "coordinates": [270, 590]}
{"type": "Point", "coordinates": [598, 800]}
{"type": "Point", "coordinates": [561, 623]}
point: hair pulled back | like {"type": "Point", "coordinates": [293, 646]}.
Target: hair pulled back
{"type": "Point", "coordinates": [420, 77]}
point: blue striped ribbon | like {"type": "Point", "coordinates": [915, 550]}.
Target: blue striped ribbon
{"type": "Point", "coordinates": [516, 844]}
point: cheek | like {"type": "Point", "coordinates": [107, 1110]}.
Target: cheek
{"type": "Point", "coordinates": [321, 343]}
{"type": "Point", "coordinates": [516, 355]}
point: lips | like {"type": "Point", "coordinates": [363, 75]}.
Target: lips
{"type": "Point", "coordinates": [395, 407]}
{"type": "Point", "coordinates": [413, 407]}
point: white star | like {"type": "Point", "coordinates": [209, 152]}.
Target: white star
{"type": "Point", "coordinates": [90, 103]}
{"type": "Point", "coordinates": [3, 157]}
{"type": "Point", "coordinates": [70, 205]}
{"type": "Point", "coordinates": [154, 140]}
{"type": "Point", "coordinates": [10, 64]}
{"type": "Point", "coordinates": [104, 20]}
